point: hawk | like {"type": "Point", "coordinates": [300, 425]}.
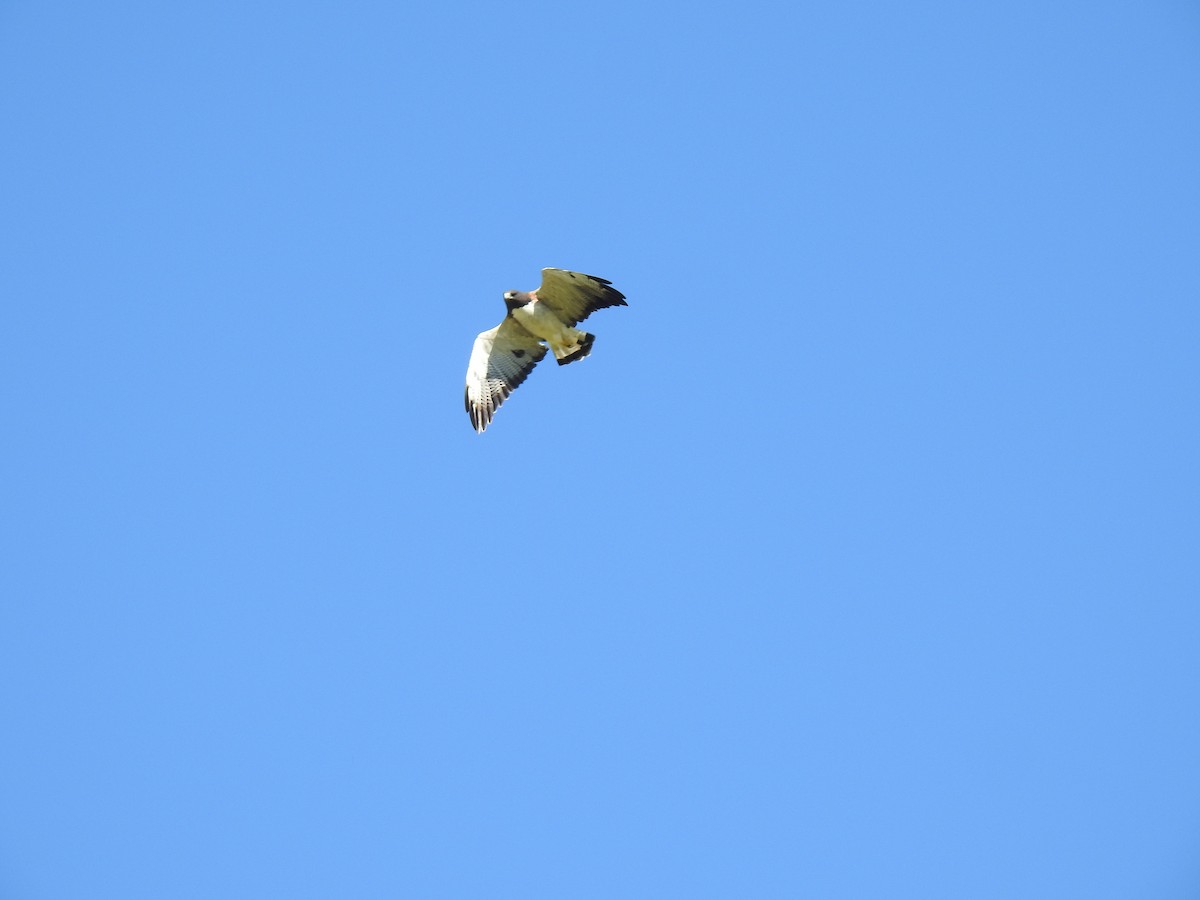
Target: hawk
{"type": "Point", "coordinates": [504, 356]}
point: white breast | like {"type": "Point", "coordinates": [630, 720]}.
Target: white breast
{"type": "Point", "coordinates": [541, 322]}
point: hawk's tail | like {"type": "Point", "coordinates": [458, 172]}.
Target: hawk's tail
{"type": "Point", "coordinates": [568, 353]}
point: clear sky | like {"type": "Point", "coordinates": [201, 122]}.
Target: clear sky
{"type": "Point", "coordinates": [860, 559]}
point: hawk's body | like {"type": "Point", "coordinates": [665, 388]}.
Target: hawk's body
{"type": "Point", "coordinates": [540, 320]}
{"type": "Point", "coordinates": [504, 356]}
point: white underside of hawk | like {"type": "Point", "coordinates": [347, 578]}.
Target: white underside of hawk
{"type": "Point", "coordinates": [537, 321]}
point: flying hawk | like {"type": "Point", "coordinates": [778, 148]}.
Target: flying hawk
{"type": "Point", "coordinates": [504, 356]}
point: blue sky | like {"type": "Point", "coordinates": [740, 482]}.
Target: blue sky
{"type": "Point", "coordinates": [858, 560]}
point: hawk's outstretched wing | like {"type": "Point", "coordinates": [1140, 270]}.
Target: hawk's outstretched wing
{"type": "Point", "coordinates": [575, 296]}
{"type": "Point", "coordinates": [500, 360]}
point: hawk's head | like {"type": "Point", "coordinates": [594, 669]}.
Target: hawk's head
{"type": "Point", "coordinates": [515, 299]}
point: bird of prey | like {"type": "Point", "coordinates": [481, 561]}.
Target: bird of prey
{"type": "Point", "coordinates": [504, 356]}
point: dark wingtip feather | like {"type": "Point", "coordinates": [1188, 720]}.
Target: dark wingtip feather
{"type": "Point", "coordinates": [609, 295]}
